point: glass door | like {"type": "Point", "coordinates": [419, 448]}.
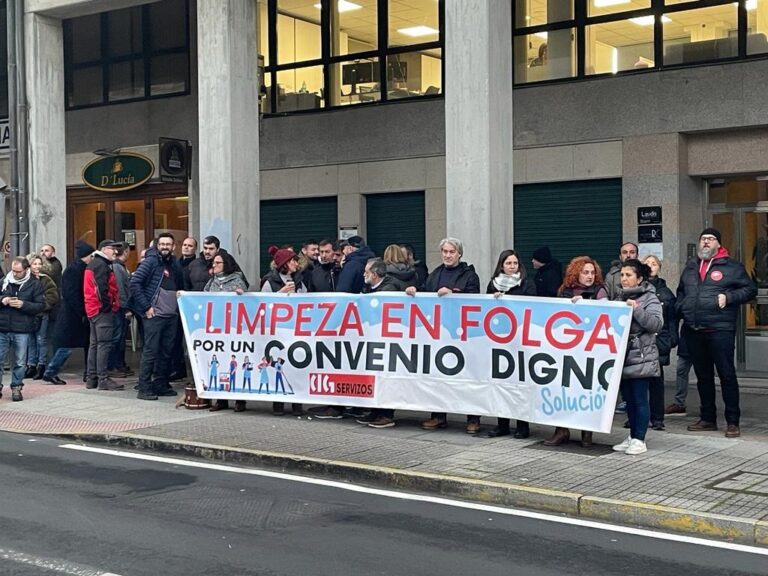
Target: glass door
{"type": "Point", "coordinates": [90, 222]}
{"type": "Point", "coordinates": [171, 215]}
{"type": "Point", "coordinates": [129, 226]}
{"type": "Point", "coordinates": [754, 255]}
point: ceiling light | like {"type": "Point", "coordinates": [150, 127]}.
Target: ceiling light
{"type": "Point", "coordinates": [416, 31]}
{"type": "Point", "coordinates": [605, 3]}
{"type": "Point", "coordinates": [647, 20]}
{"type": "Point", "coordinates": [343, 6]}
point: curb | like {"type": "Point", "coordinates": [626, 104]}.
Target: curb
{"type": "Point", "coordinates": [626, 512]}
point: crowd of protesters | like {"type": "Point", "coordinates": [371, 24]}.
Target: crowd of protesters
{"type": "Point", "coordinates": [89, 305]}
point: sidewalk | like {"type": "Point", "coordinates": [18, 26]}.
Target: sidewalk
{"type": "Point", "coordinates": [700, 484]}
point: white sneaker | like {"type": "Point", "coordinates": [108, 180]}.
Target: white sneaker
{"type": "Point", "coordinates": [636, 447]}
{"type": "Point", "coordinates": [624, 445]}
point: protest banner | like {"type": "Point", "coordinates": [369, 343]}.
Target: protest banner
{"type": "Point", "coordinates": [544, 360]}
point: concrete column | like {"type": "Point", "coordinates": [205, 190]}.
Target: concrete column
{"type": "Point", "coordinates": [44, 40]}
{"type": "Point", "coordinates": [478, 128]}
{"type": "Point", "coordinates": [229, 132]}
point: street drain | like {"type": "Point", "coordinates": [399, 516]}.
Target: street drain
{"type": "Point", "coordinates": [743, 483]}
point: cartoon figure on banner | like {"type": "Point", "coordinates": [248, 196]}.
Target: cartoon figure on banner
{"type": "Point", "coordinates": [214, 364]}
{"type": "Point", "coordinates": [280, 379]}
{"type": "Point", "coordinates": [247, 371]}
{"type": "Point", "coordinates": [263, 374]}
{"type": "Point", "coordinates": [232, 373]}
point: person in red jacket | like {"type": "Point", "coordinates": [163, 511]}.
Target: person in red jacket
{"type": "Point", "coordinates": [101, 304]}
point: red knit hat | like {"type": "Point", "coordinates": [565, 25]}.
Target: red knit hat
{"type": "Point", "coordinates": [281, 256]}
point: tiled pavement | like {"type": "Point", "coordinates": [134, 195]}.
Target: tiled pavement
{"type": "Point", "coordinates": [697, 473]}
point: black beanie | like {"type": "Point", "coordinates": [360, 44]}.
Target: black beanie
{"type": "Point", "coordinates": [83, 249]}
{"type": "Point", "coordinates": [542, 255]}
{"type": "Point", "coordinates": [712, 232]}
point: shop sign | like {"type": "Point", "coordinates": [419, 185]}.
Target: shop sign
{"type": "Point", "coordinates": [123, 171]}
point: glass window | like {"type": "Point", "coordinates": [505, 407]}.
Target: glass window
{"type": "Point", "coordinates": [130, 67]}
{"type": "Point", "coordinates": [168, 24]}
{"type": "Point", "coordinates": [263, 16]}
{"type": "Point", "coordinates": [168, 74]}
{"type": "Point", "coordinates": [354, 27]}
{"type": "Point", "coordinates": [538, 12]}
{"type": "Point", "coordinates": [616, 46]}
{"type": "Point", "coordinates": [298, 31]}
{"type": "Point", "coordinates": [700, 35]}
{"type": "Point", "coordinates": [126, 80]}
{"type": "Point", "coordinates": [414, 74]}
{"type": "Point", "coordinates": [125, 36]}
{"type": "Point", "coordinates": [757, 26]}
{"type": "Point", "coordinates": [601, 7]}
{"type": "Point", "coordinates": [413, 22]}
{"type": "Point", "coordinates": [85, 34]}
{"type": "Point", "coordinates": [300, 89]}
{"type": "Point", "coordinates": [545, 55]}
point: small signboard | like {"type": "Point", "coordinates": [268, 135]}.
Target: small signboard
{"type": "Point", "coordinates": [118, 172]}
{"type": "Point", "coordinates": [175, 160]}
{"type": "Point", "coordinates": [649, 234]}
{"type": "Point", "coordinates": [649, 215]}
{"type": "Point", "coordinates": [5, 137]}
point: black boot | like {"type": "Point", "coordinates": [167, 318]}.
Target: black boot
{"type": "Point", "coordinates": [40, 371]}
{"type": "Point", "coordinates": [523, 430]}
{"type": "Point", "coordinates": [502, 428]}
{"type": "Point", "coordinates": [30, 371]}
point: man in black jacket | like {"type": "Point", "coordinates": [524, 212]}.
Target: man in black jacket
{"type": "Point", "coordinates": [325, 272]}
{"type": "Point", "coordinates": [356, 254]}
{"type": "Point", "coordinates": [549, 273]}
{"type": "Point", "coordinates": [21, 300]}
{"type": "Point", "coordinates": [452, 277]}
{"type": "Point", "coordinates": [712, 289]}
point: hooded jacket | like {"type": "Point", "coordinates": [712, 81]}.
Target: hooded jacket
{"type": "Point", "coordinates": [403, 275]}
{"type": "Point", "coordinates": [226, 283]}
{"type": "Point", "coordinates": [351, 276]}
{"type": "Point", "coordinates": [146, 281]}
{"type": "Point", "coordinates": [199, 271]}
{"type": "Point", "coordinates": [642, 359]}
{"type": "Point", "coordinates": [548, 279]}
{"type": "Point", "coordinates": [697, 299]}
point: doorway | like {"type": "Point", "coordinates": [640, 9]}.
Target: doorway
{"type": "Point", "coordinates": [739, 209]}
{"type": "Point", "coordinates": [134, 217]}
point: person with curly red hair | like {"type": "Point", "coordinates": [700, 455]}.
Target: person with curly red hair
{"type": "Point", "coordinates": [583, 280]}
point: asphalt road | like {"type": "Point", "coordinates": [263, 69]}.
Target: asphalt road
{"type": "Point", "coordinates": [70, 512]}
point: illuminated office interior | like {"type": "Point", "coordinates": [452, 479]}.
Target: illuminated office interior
{"type": "Point", "coordinates": [560, 39]}
{"type": "Point", "coordinates": [323, 53]}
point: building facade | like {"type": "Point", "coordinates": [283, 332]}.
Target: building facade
{"type": "Point", "coordinates": [576, 124]}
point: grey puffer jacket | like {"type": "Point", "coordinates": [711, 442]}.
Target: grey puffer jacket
{"type": "Point", "coordinates": [642, 359]}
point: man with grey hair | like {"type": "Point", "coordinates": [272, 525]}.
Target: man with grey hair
{"type": "Point", "coordinates": [452, 277]}
{"type": "Point", "coordinates": [376, 278]}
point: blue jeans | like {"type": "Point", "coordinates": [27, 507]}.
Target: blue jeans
{"type": "Point", "coordinates": [635, 393]}
{"type": "Point", "coordinates": [60, 357]}
{"type": "Point", "coordinates": [37, 349]}
{"type": "Point", "coordinates": [119, 328]}
{"type": "Point", "coordinates": [17, 343]}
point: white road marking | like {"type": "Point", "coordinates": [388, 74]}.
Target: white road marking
{"type": "Point", "coordinates": [52, 564]}
{"type": "Point", "coordinates": [431, 499]}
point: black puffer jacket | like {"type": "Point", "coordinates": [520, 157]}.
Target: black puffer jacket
{"type": "Point", "coordinates": [697, 300]}
{"type": "Point", "coordinates": [548, 279]}
{"type": "Point", "coordinates": [466, 282]}
{"type": "Point", "coordinates": [388, 284]}
{"type": "Point", "coordinates": [404, 275]}
{"type": "Point", "coordinates": [666, 338]}
{"type": "Point", "coordinates": [22, 320]}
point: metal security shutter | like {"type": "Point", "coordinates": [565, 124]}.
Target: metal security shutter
{"type": "Point", "coordinates": [396, 218]}
{"type": "Point", "coordinates": [572, 218]}
{"type": "Point", "coordinates": [294, 221]}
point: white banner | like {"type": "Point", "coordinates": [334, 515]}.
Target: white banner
{"type": "Point", "coordinates": [542, 360]}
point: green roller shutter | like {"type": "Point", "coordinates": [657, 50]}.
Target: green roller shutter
{"type": "Point", "coordinates": [294, 221]}
{"type": "Point", "coordinates": [396, 218]}
{"type": "Point", "coordinates": [572, 218]}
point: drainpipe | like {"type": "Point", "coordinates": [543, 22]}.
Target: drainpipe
{"type": "Point", "coordinates": [22, 207]}
{"type": "Point", "coordinates": [13, 184]}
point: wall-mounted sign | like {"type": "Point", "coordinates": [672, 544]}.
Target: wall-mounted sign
{"type": "Point", "coordinates": [649, 215]}
{"type": "Point", "coordinates": [175, 160]}
{"type": "Point", "coordinates": [649, 234]}
{"type": "Point", "coordinates": [5, 137]}
{"type": "Point", "coordinates": [119, 172]}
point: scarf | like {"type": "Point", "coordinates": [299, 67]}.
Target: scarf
{"type": "Point", "coordinates": [505, 282]}
{"type": "Point", "coordinates": [10, 279]}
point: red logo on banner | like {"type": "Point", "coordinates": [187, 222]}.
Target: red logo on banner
{"type": "Point", "coordinates": [716, 275]}
{"type": "Point", "coordinates": [329, 384]}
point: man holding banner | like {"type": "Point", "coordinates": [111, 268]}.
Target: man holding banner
{"type": "Point", "coordinates": [452, 276]}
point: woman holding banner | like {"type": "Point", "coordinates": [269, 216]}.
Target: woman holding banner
{"type": "Point", "coordinates": [226, 278]}
{"type": "Point", "coordinates": [641, 363]}
{"type": "Point", "coordinates": [510, 278]}
{"type": "Point", "coordinates": [583, 280]}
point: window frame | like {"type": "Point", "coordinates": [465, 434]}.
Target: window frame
{"type": "Point", "coordinates": [581, 21]}
{"type": "Point", "coordinates": [105, 62]}
{"type": "Point", "coordinates": [382, 52]}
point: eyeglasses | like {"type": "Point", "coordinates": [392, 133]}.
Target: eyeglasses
{"type": "Point", "coordinates": [708, 238]}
